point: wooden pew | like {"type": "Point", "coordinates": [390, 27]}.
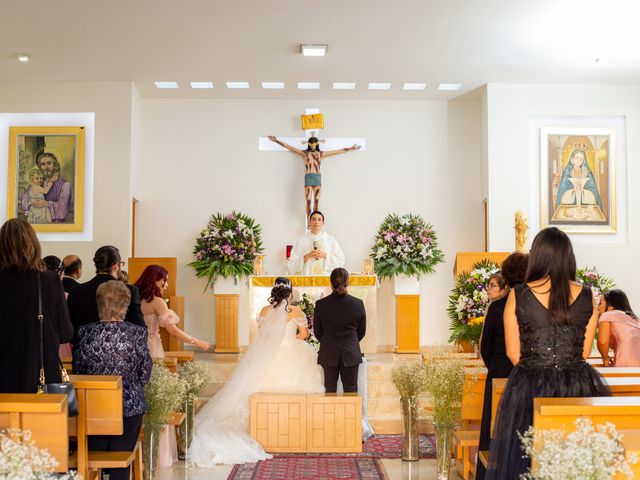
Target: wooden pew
{"type": "Point", "coordinates": [170, 362]}
{"type": "Point", "coordinates": [622, 386]}
{"type": "Point", "coordinates": [46, 416]}
{"type": "Point", "coordinates": [467, 438]}
{"type": "Point", "coordinates": [561, 413]}
{"type": "Point", "coordinates": [99, 413]}
{"type": "Point", "coordinates": [618, 371]}
{"type": "Point", "coordinates": [182, 356]}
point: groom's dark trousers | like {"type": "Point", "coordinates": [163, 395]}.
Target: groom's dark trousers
{"type": "Point", "coordinates": [339, 323]}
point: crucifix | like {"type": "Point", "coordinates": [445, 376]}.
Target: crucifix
{"type": "Point", "coordinates": [312, 157]}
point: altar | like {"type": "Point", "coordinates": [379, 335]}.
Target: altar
{"type": "Point", "coordinates": [363, 287]}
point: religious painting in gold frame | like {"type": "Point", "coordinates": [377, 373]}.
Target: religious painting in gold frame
{"type": "Point", "coordinates": [578, 180]}
{"type": "Point", "coordinates": [46, 177]}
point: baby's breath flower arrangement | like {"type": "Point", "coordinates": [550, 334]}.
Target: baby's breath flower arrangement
{"type": "Point", "coordinates": [444, 380]}
{"type": "Point", "coordinates": [164, 393]}
{"type": "Point", "coordinates": [196, 376]}
{"type": "Point", "coordinates": [410, 381]}
{"type": "Point", "coordinates": [405, 245]}
{"type": "Point", "coordinates": [226, 247]}
{"type": "Point", "coordinates": [21, 459]}
{"type": "Point", "coordinates": [469, 300]}
{"type": "Point", "coordinates": [589, 453]}
{"type": "Point", "coordinates": [599, 284]}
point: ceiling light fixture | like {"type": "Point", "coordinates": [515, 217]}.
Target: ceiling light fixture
{"type": "Point", "coordinates": [24, 57]}
{"type": "Point", "coordinates": [379, 86]}
{"type": "Point", "coordinates": [166, 84]}
{"type": "Point", "coordinates": [237, 84]}
{"type": "Point", "coordinates": [449, 87]}
{"type": "Point", "coordinates": [273, 85]}
{"type": "Point", "coordinates": [414, 86]}
{"type": "Point", "coordinates": [308, 85]}
{"type": "Point", "coordinates": [197, 85]}
{"type": "Point", "coordinates": [344, 86]}
{"type": "Point", "coordinates": [314, 50]}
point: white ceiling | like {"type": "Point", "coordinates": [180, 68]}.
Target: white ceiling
{"type": "Point", "coordinates": [472, 42]}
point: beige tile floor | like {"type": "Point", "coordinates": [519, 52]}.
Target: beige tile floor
{"type": "Point", "coordinates": [396, 470]}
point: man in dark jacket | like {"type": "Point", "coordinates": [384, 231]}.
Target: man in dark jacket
{"type": "Point", "coordinates": [83, 306]}
{"type": "Point", "coordinates": [72, 271]}
{"type": "Point", "coordinates": [339, 323]}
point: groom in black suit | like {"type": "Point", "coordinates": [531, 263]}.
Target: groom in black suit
{"type": "Point", "coordinates": [339, 323]}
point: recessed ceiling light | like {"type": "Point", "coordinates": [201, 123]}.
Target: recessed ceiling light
{"type": "Point", "coordinates": [344, 85]}
{"type": "Point", "coordinates": [379, 86]}
{"type": "Point", "coordinates": [414, 86]}
{"type": "Point", "coordinates": [449, 87]}
{"type": "Point", "coordinates": [313, 50]}
{"type": "Point", "coordinates": [201, 85]}
{"type": "Point", "coordinates": [166, 84]}
{"type": "Point", "coordinates": [308, 85]}
{"type": "Point", "coordinates": [24, 57]}
{"type": "Point", "coordinates": [273, 85]}
{"type": "Point", "coordinates": [237, 84]}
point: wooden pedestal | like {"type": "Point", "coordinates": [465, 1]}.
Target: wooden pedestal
{"type": "Point", "coordinates": [408, 323]}
{"type": "Point", "coordinates": [227, 323]}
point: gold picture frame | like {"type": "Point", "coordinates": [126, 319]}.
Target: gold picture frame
{"type": "Point", "coordinates": [45, 181]}
{"type": "Point", "coordinates": [578, 179]}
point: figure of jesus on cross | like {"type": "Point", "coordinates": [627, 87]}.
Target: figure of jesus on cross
{"type": "Point", "coordinates": [312, 157]}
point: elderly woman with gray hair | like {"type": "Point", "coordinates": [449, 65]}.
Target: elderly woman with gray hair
{"type": "Point", "coordinates": [114, 347]}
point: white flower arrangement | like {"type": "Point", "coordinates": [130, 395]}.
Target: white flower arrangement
{"type": "Point", "coordinates": [589, 453]}
{"type": "Point", "coordinates": [21, 459]}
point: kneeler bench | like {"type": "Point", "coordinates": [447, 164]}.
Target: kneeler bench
{"type": "Point", "coordinates": [321, 423]}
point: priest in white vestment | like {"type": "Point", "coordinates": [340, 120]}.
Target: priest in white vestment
{"type": "Point", "coordinates": [316, 252]}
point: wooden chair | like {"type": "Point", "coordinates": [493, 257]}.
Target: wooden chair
{"type": "Point", "coordinates": [466, 437]}
{"type": "Point", "coordinates": [99, 413]}
{"type": "Point", "coordinates": [46, 416]}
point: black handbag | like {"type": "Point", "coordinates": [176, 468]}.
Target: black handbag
{"type": "Point", "coordinates": [65, 387]}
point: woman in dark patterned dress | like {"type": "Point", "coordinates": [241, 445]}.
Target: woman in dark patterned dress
{"type": "Point", "coordinates": [115, 347]}
{"type": "Point", "coordinates": [549, 323]}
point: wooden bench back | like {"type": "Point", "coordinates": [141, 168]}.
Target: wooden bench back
{"type": "Point", "coordinates": [45, 416]}
{"type": "Point", "coordinates": [561, 413]}
{"type": "Point", "coordinates": [473, 398]}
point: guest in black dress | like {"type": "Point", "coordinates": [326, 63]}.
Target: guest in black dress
{"type": "Point", "coordinates": [115, 347]}
{"type": "Point", "coordinates": [492, 347]}
{"type": "Point", "coordinates": [20, 266]}
{"type": "Point", "coordinates": [549, 325]}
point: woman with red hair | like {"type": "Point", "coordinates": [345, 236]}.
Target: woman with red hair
{"type": "Point", "coordinates": [152, 284]}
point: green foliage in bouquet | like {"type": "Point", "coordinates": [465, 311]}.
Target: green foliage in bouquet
{"type": "Point", "coordinates": [469, 300]}
{"type": "Point", "coordinates": [226, 247]}
{"type": "Point", "coordinates": [405, 245]}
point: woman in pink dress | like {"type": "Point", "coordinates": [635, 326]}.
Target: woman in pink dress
{"type": "Point", "coordinates": [152, 284]}
{"type": "Point", "coordinates": [619, 329]}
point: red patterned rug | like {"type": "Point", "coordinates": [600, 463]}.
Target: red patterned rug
{"type": "Point", "coordinates": [311, 468]}
{"type": "Point", "coordinates": [380, 446]}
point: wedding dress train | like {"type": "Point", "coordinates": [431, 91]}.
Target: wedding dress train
{"type": "Point", "coordinates": [276, 362]}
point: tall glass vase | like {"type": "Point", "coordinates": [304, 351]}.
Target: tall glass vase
{"type": "Point", "coordinates": [444, 442]}
{"type": "Point", "coordinates": [151, 448]}
{"type": "Point", "coordinates": [410, 437]}
{"type": "Point", "coordinates": [185, 431]}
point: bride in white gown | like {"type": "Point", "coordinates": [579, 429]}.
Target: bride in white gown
{"type": "Point", "coordinates": [279, 360]}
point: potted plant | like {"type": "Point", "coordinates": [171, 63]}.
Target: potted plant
{"type": "Point", "coordinates": [444, 382]}
{"type": "Point", "coordinates": [468, 302]}
{"type": "Point", "coordinates": [164, 393]}
{"type": "Point", "coordinates": [410, 381]}
{"type": "Point", "coordinates": [227, 247]}
{"type": "Point", "coordinates": [195, 376]}
{"type": "Point", "coordinates": [588, 453]}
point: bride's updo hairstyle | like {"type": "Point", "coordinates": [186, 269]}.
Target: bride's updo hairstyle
{"type": "Point", "coordinates": [280, 292]}
{"type": "Point", "coordinates": [339, 281]}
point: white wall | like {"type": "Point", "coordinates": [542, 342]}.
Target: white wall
{"type": "Point", "coordinates": [200, 157]}
{"type": "Point", "coordinates": [510, 110]}
{"type": "Point", "coordinates": [111, 102]}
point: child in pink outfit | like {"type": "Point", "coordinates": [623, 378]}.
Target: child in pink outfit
{"type": "Point", "coordinates": [619, 329]}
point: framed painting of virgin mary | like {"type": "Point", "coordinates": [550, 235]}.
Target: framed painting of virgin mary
{"type": "Point", "coordinates": [578, 190]}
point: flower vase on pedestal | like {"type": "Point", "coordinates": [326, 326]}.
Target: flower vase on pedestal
{"type": "Point", "coordinates": [150, 450]}
{"type": "Point", "coordinates": [410, 437]}
{"type": "Point", "coordinates": [185, 432]}
{"type": "Point", "coordinates": [444, 442]}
